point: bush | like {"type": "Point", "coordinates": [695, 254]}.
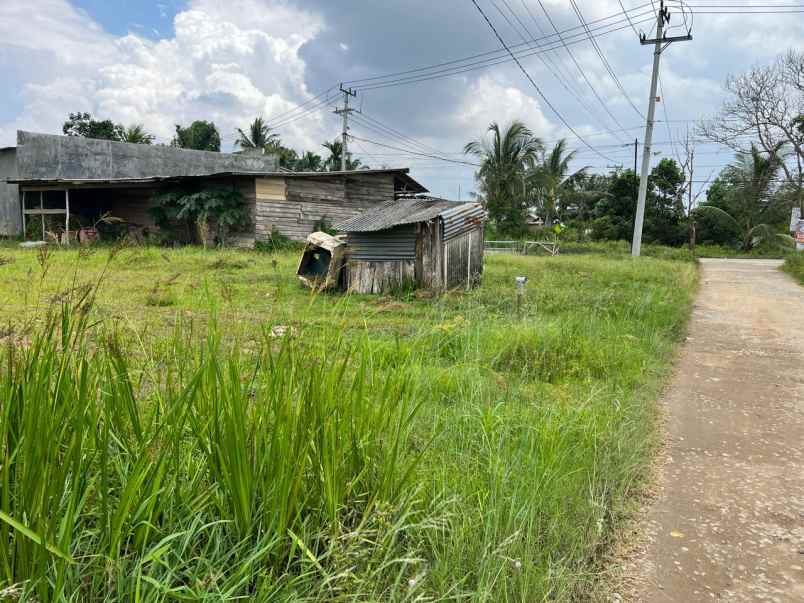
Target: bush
{"type": "Point", "coordinates": [277, 242]}
{"type": "Point", "coordinates": [794, 265]}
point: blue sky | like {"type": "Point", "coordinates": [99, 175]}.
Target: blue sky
{"type": "Point", "coordinates": [152, 19]}
{"type": "Point", "coordinates": [169, 62]}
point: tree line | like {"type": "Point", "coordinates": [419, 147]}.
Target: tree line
{"type": "Point", "coordinates": [203, 135]}
{"type": "Point", "coordinates": [746, 205]}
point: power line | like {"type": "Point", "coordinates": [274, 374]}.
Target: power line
{"type": "Point", "coordinates": [492, 54]}
{"type": "Point", "coordinates": [387, 146]}
{"type": "Point", "coordinates": [605, 61]}
{"type": "Point", "coordinates": [556, 72]}
{"type": "Point", "coordinates": [575, 61]}
{"type": "Point", "coordinates": [484, 63]}
{"type": "Point", "coordinates": [533, 83]}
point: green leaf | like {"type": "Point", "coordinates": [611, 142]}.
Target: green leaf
{"type": "Point", "coordinates": [31, 535]}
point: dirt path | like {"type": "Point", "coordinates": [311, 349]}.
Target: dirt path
{"type": "Point", "coordinates": [728, 521]}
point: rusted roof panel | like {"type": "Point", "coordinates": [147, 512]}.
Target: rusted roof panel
{"type": "Point", "coordinates": [403, 211]}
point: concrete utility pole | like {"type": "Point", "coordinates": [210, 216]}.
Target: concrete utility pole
{"type": "Point", "coordinates": [660, 42]}
{"type": "Point", "coordinates": [345, 135]}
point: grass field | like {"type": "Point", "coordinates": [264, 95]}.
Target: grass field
{"type": "Point", "coordinates": [192, 425]}
{"type": "Point", "coordinates": [794, 265]}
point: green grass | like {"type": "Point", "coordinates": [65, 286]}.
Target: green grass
{"type": "Point", "coordinates": [794, 265]}
{"type": "Point", "coordinates": [390, 448]}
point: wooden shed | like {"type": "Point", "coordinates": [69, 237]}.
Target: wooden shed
{"type": "Point", "coordinates": [424, 242]}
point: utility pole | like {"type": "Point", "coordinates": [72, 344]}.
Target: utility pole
{"type": "Point", "coordinates": [345, 134]}
{"type": "Point", "coordinates": [660, 42]}
{"type": "Point", "coordinates": [636, 191]}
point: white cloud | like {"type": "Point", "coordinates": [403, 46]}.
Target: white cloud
{"type": "Point", "coordinates": [488, 100]}
{"type": "Point", "coordinates": [228, 62]}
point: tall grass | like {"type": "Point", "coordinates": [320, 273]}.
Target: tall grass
{"type": "Point", "coordinates": [208, 473]}
{"type": "Point", "coordinates": [380, 450]}
{"type": "Point", "coordinates": [794, 265]}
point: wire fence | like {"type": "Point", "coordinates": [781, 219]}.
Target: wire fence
{"type": "Point", "coordinates": [522, 247]}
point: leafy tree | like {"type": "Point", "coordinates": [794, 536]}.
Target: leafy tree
{"type": "Point", "coordinates": [766, 101]}
{"type": "Point", "coordinates": [287, 157]}
{"type": "Point", "coordinates": [712, 227]}
{"type": "Point", "coordinates": [82, 124]}
{"type": "Point", "coordinates": [333, 162]}
{"type": "Point", "coordinates": [199, 209]}
{"type": "Point", "coordinates": [136, 134]}
{"type": "Point", "coordinates": [748, 202]}
{"type": "Point", "coordinates": [614, 212]}
{"type": "Point", "coordinates": [310, 162]}
{"type": "Point", "coordinates": [504, 157]}
{"type": "Point", "coordinates": [551, 179]}
{"type": "Point", "coordinates": [580, 198]}
{"type": "Point", "coordinates": [199, 135]}
{"type": "Point", "coordinates": [664, 212]}
{"type": "Point", "coordinates": [258, 136]}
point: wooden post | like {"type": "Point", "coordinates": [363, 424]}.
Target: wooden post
{"type": "Point", "coordinates": [23, 215]}
{"type": "Point", "coordinates": [469, 262]}
{"type": "Point", "coordinates": [445, 247]}
{"type": "Point", "coordinates": [42, 215]}
{"type": "Point", "coordinates": [67, 219]}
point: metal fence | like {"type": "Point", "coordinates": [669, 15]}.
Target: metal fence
{"type": "Point", "coordinates": [522, 247]}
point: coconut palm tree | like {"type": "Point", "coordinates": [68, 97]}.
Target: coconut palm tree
{"type": "Point", "coordinates": [504, 157]}
{"type": "Point", "coordinates": [550, 178]}
{"type": "Point", "coordinates": [750, 198]}
{"type": "Point", "coordinates": [333, 162]}
{"type": "Point", "coordinates": [136, 134]}
{"type": "Point", "coordinates": [310, 162]}
{"type": "Point", "coordinates": [259, 136]}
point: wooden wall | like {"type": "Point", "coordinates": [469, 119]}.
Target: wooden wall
{"type": "Point", "coordinates": [380, 277]}
{"type": "Point", "coordinates": [429, 254]}
{"type": "Point", "coordinates": [294, 205]}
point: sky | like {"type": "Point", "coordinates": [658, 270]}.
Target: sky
{"type": "Point", "coordinates": [166, 62]}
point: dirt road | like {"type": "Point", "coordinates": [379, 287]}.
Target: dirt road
{"type": "Point", "coordinates": [728, 521]}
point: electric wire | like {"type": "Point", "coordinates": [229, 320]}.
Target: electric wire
{"type": "Point", "coordinates": [604, 60]}
{"type": "Point", "coordinates": [544, 59]}
{"type": "Point", "coordinates": [533, 83]}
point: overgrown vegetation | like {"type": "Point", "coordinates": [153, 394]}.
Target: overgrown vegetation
{"type": "Point", "coordinates": [201, 213]}
{"type": "Point", "coordinates": [256, 440]}
{"type": "Point", "coordinates": [794, 265]}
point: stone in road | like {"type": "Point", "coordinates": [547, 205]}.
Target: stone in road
{"type": "Point", "coordinates": [728, 521]}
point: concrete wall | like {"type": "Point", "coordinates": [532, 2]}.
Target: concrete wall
{"type": "Point", "coordinates": [10, 221]}
{"type": "Point", "coordinates": [41, 156]}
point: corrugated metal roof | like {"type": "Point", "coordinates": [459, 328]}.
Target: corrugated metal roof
{"type": "Point", "coordinates": [461, 219]}
{"type": "Point", "coordinates": [402, 211]}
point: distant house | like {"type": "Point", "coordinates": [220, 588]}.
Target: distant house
{"type": "Point", "coordinates": [797, 227]}
{"type": "Point", "coordinates": [47, 175]}
{"type": "Point", "coordinates": [795, 218]}
{"type": "Point", "coordinates": [419, 241]}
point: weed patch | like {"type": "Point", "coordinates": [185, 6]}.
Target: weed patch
{"type": "Point", "coordinates": [253, 439]}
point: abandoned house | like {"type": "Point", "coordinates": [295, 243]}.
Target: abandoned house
{"type": "Point", "coordinates": [71, 182]}
{"type": "Point", "coordinates": [418, 241]}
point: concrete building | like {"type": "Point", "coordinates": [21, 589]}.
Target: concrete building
{"type": "Point", "coordinates": [72, 181]}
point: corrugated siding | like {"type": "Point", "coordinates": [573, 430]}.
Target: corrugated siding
{"type": "Point", "coordinates": [463, 258]}
{"type": "Point", "coordinates": [462, 219]}
{"type": "Point", "coordinates": [397, 243]}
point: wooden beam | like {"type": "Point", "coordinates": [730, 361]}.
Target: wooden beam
{"type": "Point", "coordinates": [44, 212]}
{"type": "Point", "coordinates": [67, 218]}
